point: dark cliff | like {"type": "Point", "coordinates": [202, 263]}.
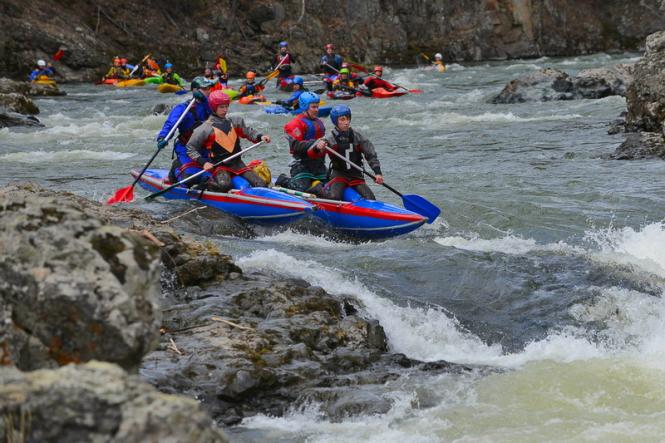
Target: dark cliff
{"type": "Point", "coordinates": [386, 31]}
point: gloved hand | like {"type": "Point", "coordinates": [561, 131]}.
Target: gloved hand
{"type": "Point", "coordinates": [161, 143]}
{"type": "Point", "coordinates": [199, 96]}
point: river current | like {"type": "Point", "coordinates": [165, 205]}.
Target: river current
{"type": "Point", "coordinates": [547, 263]}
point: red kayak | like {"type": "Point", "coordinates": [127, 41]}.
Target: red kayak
{"type": "Point", "coordinates": [383, 93]}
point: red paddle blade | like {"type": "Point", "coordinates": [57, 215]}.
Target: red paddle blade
{"type": "Point", "coordinates": [122, 195]}
{"type": "Point", "coordinates": [416, 91]}
{"type": "Point", "coordinates": [358, 67]}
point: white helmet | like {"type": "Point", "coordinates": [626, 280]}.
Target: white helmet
{"type": "Point", "coordinates": [41, 63]}
{"type": "Point", "coordinates": [438, 55]}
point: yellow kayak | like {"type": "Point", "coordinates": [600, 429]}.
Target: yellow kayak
{"type": "Point", "coordinates": [44, 80]}
{"type": "Point", "coordinates": [129, 83]}
{"type": "Point", "coordinates": [166, 88]}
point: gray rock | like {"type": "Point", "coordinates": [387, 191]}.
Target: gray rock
{"type": "Point", "coordinates": [543, 85]}
{"type": "Point", "coordinates": [603, 82]}
{"type": "Point", "coordinates": [16, 102]}
{"type": "Point", "coordinates": [641, 145]}
{"type": "Point", "coordinates": [96, 402]}
{"type": "Point", "coordinates": [9, 119]}
{"type": "Point", "coordinates": [8, 86]}
{"type": "Point", "coordinates": [161, 108]}
{"type": "Point", "coordinates": [71, 288]}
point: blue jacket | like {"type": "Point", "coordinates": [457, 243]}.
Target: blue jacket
{"type": "Point", "coordinates": [293, 100]}
{"type": "Point", "coordinates": [49, 72]}
{"type": "Point", "coordinates": [196, 115]}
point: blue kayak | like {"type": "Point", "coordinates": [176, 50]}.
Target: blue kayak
{"type": "Point", "coordinates": [357, 217]}
{"type": "Point", "coordinates": [261, 205]}
{"type": "Point", "coordinates": [279, 109]}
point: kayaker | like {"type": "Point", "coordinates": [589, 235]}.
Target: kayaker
{"type": "Point", "coordinates": [438, 62]}
{"type": "Point", "coordinates": [250, 88]}
{"type": "Point", "coordinates": [42, 70]}
{"type": "Point", "coordinates": [375, 81]}
{"type": "Point", "coordinates": [305, 136]}
{"type": "Point", "coordinates": [126, 67]}
{"type": "Point", "coordinates": [352, 75]}
{"type": "Point", "coordinates": [171, 77]}
{"type": "Point", "coordinates": [330, 63]}
{"type": "Point", "coordinates": [183, 166]}
{"type": "Point", "coordinates": [298, 89]}
{"type": "Point", "coordinates": [344, 82]}
{"type": "Point", "coordinates": [150, 68]}
{"type": "Point", "coordinates": [116, 70]}
{"type": "Point", "coordinates": [218, 138]}
{"type": "Point", "coordinates": [352, 145]}
{"type": "Point", "coordinates": [284, 59]}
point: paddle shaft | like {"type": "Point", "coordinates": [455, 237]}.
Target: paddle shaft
{"type": "Point", "coordinates": [182, 182]}
{"type": "Point", "coordinates": [138, 64]}
{"type": "Point", "coordinates": [168, 137]}
{"type": "Point", "coordinates": [361, 169]}
{"type": "Point", "coordinates": [394, 84]}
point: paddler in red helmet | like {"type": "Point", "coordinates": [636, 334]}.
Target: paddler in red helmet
{"type": "Point", "coordinates": [218, 138]}
{"type": "Point", "coordinates": [375, 81]}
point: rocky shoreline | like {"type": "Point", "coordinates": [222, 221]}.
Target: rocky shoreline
{"type": "Point", "coordinates": [91, 294]}
{"type": "Point", "coordinates": [16, 106]}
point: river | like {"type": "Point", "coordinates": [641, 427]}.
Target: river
{"type": "Point", "coordinates": [548, 262]}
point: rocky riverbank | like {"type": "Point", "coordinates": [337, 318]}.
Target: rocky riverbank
{"type": "Point", "coordinates": [91, 293]}
{"type": "Point", "coordinates": [645, 98]}
{"type": "Point", "coordinates": [16, 107]}
{"type": "Point", "coordinates": [195, 32]}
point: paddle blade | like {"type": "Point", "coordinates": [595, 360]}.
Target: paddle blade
{"type": "Point", "coordinates": [58, 55]}
{"type": "Point", "coordinates": [422, 206]}
{"type": "Point", "coordinates": [122, 195]}
{"type": "Point", "coordinates": [181, 92]}
{"type": "Point", "coordinates": [416, 91]}
{"type": "Point", "coordinates": [272, 75]}
{"type": "Point", "coordinates": [358, 67]}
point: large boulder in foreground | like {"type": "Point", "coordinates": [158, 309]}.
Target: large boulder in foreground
{"type": "Point", "coordinates": [96, 402]}
{"type": "Point", "coordinates": [71, 288]}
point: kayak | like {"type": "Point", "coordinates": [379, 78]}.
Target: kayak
{"type": "Point", "coordinates": [109, 81]}
{"type": "Point", "coordinates": [260, 205]}
{"type": "Point", "coordinates": [153, 80]}
{"type": "Point", "coordinates": [130, 83]}
{"type": "Point", "coordinates": [251, 99]}
{"type": "Point", "coordinates": [279, 109]}
{"type": "Point", "coordinates": [357, 217]}
{"type": "Point", "coordinates": [384, 93]}
{"type": "Point", "coordinates": [44, 80]}
{"type": "Point", "coordinates": [340, 95]}
{"type": "Point", "coordinates": [232, 93]}
{"type": "Point", "coordinates": [166, 88]}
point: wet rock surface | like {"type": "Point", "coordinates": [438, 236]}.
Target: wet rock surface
{"type": "Point", "coordinates": [553, 84]}
{"type": "Point", "coordinates": [16, 107]}
{"type": "Point", "coordinates": [96, 402]}
{"type": "Point", "coordinates": [645, 98]}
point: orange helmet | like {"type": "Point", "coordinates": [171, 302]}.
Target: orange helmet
{"type": "Point", "coordinates": [123, 61]}
{"type": "Point", "coordinates": [116, 61]}
{"type": "Point", "coordinates": [251, 75]}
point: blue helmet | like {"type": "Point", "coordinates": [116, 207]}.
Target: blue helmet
{"type": "Point", "coordinates": [338, 111]}
{"type": "Point", "coordinates": [306, 99]}
{"type": "Point", "coordinates": [168, 65]}
{"type": "Point", "coordinates": [283, 44]}
{"type": "Point", "coordinates": [297, 80]}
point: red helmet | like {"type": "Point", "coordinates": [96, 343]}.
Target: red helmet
{"type": "Point", "coordinates": [378, 68]}
{"type": "Point", "coordinates": [218, 98]}
{"type": "Point", "coordinates": [330, 46]}
{"type": "Point", "coordinates": [123, 61]}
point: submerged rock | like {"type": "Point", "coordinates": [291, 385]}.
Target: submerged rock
{"type": "Point", "coordinates": [641, 145]}
{"type": "Point", "coordinates": [71, 288]}
{"type": "Point", "coordinates": [603, 82]}
{"type": "Point", "coordinates": [96, 402]}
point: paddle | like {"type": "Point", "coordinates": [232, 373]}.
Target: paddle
{"type": "Point", "coordinates": [365, 93]}
{"type": "Point", "coordinates": [182, 182]}
{"type": "Point", "coordinates": [138, 65]}
{"type": "Point", "coordinates": [126, 194]}
{"type": "Point", "coordinates": [412, 202]}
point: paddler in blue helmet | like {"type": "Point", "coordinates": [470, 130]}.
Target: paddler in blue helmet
{"type": "Point", "coordinates": [305, 136]}
{"type": "Point", "coordinates": [183, 166]}
{"type": "Point", "coordinates": [285, 60]}
{"type": "Point", "coordinates": [170, 77]}
{"type": "Point", "coordinates": [298, 89]}
{"type": "Point", "coordinates": [353, 146]}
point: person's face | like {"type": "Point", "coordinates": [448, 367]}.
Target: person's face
{"type": "Point", "coordinates": [344, 76]}
{"type": "Point", "coordinates": [378, 73]}
{"type": "Point", "coordinates": [283, 49]}
{"type": "Point", "coordinates": [222, 110]}
{"type": "Point", "coordinates": [296, 87]}
{"type": "Point", "coordinates": [343, 123]}
{"type": "Point", "coordinates": [330, 51]}
{"type": "Point", "coordinates": [207, 72]}
{"type": "Point", "coordinates": [313, 110]}
{"type": "Point", "coordinates": [169, 70]}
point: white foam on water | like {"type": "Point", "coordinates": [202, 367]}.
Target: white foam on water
{"type": "Point", "coordinates": [455, 67]}
{"type": "Point", "coordinates": [306, 241]}
{"type": "Point", "coordinates": [510, 244]}
{"type": "Point", "coordinates": [519, 66]}
{"type": "Point", "coordinates": [64, 156]}
{"type": "Point", "coordinates": [454, 118]}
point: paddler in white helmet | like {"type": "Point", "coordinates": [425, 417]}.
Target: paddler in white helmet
{"type": "Point", "coordinates": [438, 62]}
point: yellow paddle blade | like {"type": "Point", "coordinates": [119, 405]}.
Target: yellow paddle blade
{"type": "Point", "coordinates": [272, 75]}
{"type": "Point", "coordinates": [222, 65]}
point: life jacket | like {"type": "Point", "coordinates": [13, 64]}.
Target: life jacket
{"type": "Point", "coordinates": [333, 60]}
{"type": "Point", "coordinates": [346, 147]}
{"type": "Point", "coordinates": [306, 129]}
{"type": "Point", "coordinates": [223, 142]}
{"type": "Point", "coordinates": [169, 78]}
{"type": "Point", "coordinates": [250, 89]}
